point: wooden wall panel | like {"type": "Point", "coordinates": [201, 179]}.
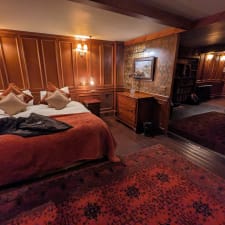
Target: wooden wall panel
{"type": "Point", "coordinates": [50, 62]}
{"type": "Point", "coordinates": [82, 68]}
{"type": "Point", "coordinates": [200, 67]}
{"type": "Point", "coordinates": [216, 64]}
{"type": "Point", "coordinates": [107, 64]}
{"type": "Point", "coordinates": [32, 63]}
{"type": "Point", "coordinates": [32, 59]}
{"type": "Point", "coordinates": [119, 64]}
{"type": "Point", "coordinates": [12, 61]}
{"type": "Point", "coordinates": [95, 62]}
{"type": "Point", "coordinates": [208, 72]}
{"type": "Point", "coordinates": [66, 63]}
{"type": "Point", "coordinates": [211, 69]}
{"type": "Point", "coordinates": [1, 81]}
{"type": "Point", "coordinates": [220, 67]}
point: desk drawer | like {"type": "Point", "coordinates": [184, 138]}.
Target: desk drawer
{"type": "Point", "coordinates": [126, 102]}
{"type": "Point", "coordinates": [127, 115]}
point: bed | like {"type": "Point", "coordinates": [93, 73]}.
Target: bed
{"type": "Point", "coordinates": [23, 158]}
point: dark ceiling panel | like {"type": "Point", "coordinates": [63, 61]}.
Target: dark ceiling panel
{"type": "Point", "coordinates": [212, 34]}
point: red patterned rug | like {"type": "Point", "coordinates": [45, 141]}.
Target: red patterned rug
{"type": "Point", "coordinates": [207, 129]}
{"type": "Point", "coordinates": [154, 186]}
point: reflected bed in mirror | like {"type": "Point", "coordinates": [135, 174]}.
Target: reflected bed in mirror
{"type": "Point", "coordinates": [144, 68]}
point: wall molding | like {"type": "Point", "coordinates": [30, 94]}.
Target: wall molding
{"type": "Point", "coordinates": [30, 60]}
{"type": "Point", "coordinates": [156, 35]}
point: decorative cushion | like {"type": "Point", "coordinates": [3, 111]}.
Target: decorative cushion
{"type": "Point", "coordinates": [12, 88]}
{"type": "Point", "coordinates": [57, 100]}
{"type": "Point", "coordinates": [28, 92]}
{"type": "Point", "coordinates": [11, 104]}
{"type": "Point", "coordinates": [50, 89]}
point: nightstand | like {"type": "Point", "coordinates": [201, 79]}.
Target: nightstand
{"type": "Point", "coordinates": [93, 105]}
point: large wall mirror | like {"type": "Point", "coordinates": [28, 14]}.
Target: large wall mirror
{"type": "Point", "coordinates": [144, 68]}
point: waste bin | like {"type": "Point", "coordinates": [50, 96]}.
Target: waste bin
{"type": "Point", "coordinates": [148, 129]}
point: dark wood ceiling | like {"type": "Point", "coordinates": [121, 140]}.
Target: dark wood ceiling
{"type": "Point", "coordinates": [208, 35]}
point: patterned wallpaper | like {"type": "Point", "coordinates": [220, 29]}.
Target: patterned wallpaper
{"type": "Point", "coordinates": [164, 49]}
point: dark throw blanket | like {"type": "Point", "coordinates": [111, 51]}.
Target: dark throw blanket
{"type": "Point", "coordinates": [34, 125]}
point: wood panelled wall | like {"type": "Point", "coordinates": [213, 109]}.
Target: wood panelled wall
{"type": "Point", "coordinates": [211, 68]}
{"type": "Point", "coordinates": [164, 49]}
{"type": "Point", "coordinates": [211, 71]}
{"type": "Point", "coordinates": [31, 60]}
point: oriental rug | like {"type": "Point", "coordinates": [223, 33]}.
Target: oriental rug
{"type": "Point", "coordinates": [207, 129]}
{"type": "Point", "coordinates": [155, 186]}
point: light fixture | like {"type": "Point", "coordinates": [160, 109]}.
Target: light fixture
{"type": "Point", "coordinates": [209, 56]}
{"type": "Point", "coordinates": [222, 58]}
{"type": "Point", "coordinates": [83, 82]}
{"type": "Point", "coordinates": [92, 82]}
{"type": "Point", "coordinates": [87, 82]}
{"type": "Point", "coordinates": [82, 47]}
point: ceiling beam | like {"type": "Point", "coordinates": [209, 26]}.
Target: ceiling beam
{"type": "Point", "coordinates": [218, 17]}
{"type": "Point", "coordinates": [136, 8]}
{"type": "Point", "coordinates": [149, 37]}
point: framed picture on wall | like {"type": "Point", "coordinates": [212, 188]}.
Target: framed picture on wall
{"type": "Point", "coordinates": [144, 68]}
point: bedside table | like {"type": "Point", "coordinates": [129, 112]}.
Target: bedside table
{"type": "Point", "coordinates": [93, 105]}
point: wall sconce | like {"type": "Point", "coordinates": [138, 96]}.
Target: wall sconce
{"type": "Point", "coordinates": [82, 48]}
{"type": "Point", "coordinates": [83, 82]}
{"type": "Point", "coordinates": [222, 58]}
{"type": "Point", "coordinates": [90, 82]}
{"type": "Point", "coordinates": [209, 56]}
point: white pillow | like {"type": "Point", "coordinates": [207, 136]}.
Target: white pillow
{"type": "Point", "coordinates": [2, 112]}
{"type": "Point", "coordinates": [65, 89]}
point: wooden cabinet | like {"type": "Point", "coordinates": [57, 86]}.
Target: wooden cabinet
{"type": "Point", "coordinates": [93, 105]}
{"type": "Point", "coordinates": [134, 110]}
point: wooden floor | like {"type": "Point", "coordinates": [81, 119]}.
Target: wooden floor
{"type": "Point", "coordinates": [128, 141]}
{"type": "Point", "coordinates": [185, 110]}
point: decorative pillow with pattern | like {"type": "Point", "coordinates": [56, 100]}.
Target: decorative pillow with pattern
{"type": "Point", "coordinates": [12, 88]}
{"type": "Point", "coordinates": [11, 104]}
{"type": "Point", "coordinates": [50, 89]}
{"type": "Point", "coordinates": [57, 100]}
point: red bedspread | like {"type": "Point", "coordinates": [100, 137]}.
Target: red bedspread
{"type": "Point", "coordinates": [22, 158]}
